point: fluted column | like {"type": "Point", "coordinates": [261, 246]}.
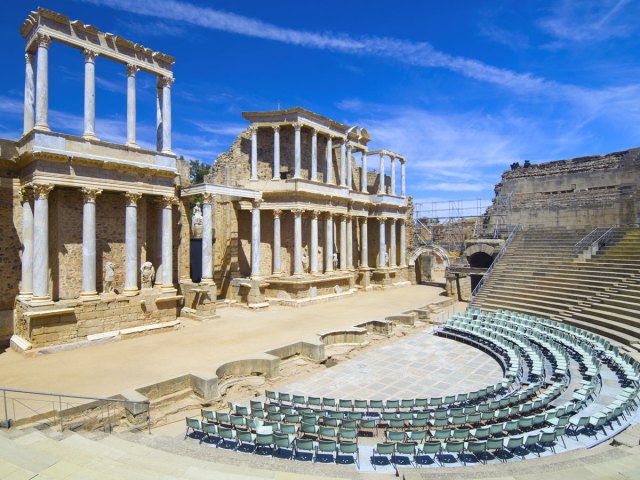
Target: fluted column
{"type": "Point", "coordinates": [26, 285]}
{"type": "Point", "coordinates": [159, 116]}
{"type": "Point", "coordinates": [329, 161]}
{"type": "Point", "coordinates": [314, 155]}
{"type": "Point", "coordinates": [159, 204]}
{"type": "Point", "coordinates": [29, 90]}
{"type": "Point", "coordinates": [403, 191]}
{"type": "Point", "coordinates": [403, 244]}
{"type": "Point", "coordinates": [349, 243]}
{"type": "Point", "coordinates": [393, 175]}
{"type": "Point", "coordinates": [208, 200]}
{"type": "Point", "coordinates": [89, 243]}
{"type": "Point", "coordinates": [131, 105]}
{"type": "Point", "coordinates": [41, 243]}
{"type": "Point", "coordinates": [297, 241]}
{"type": "Point", "coordinates": [277, 266]}
{"type": "Point", "coordinates": [297, 150]}
{"type": "Point", "coordinates": [254, 152]}
{"type": "Point", "coordinates": [382, 255]}
{"type": "Point", "coordinates": [313, 255]}
{"type": "Point", "coordinates": [381, 175]}
{"type": "Point", "coordinates": [343, 164]}
{"type": "Point", "coordinates": [131, 244]}
{"type": "Point", "coordinates": [363, 173]}
{"type": "Point", "coordinates": [276, 153]}
{"type": "Point", "coordinates": [328, 248]}
{"type": "Point", "coordinates": [349, 170]}
{"type": "Point", "coordinates": [343, 242]}
{"type": "Point", "coordinates": [42, 82]}
{"type": "Point", "coordinates": [89, 93]}
{"type": "Point", "coordinates": [255, 238]}
{"type": "Point", "coordinates": [166, 114]}
{"type": "Point", "coordinates": [167, 242]}
{"type": "Point", "coordinates": [392, 243]}
{"type": "Point", "coordinates": [364, 244]}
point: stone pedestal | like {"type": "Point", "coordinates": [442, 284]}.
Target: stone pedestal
{"type": "Point", "coordinates": [200, 301]}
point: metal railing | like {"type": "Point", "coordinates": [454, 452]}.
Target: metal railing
{"type": "Point", "coordinates": [594, 240]}
{"type": "Point", "coordinates": [484, 278]}
{"type": "Point", "coordinates": [587, 240]}
{"type": "Point", "coordinates": [50, 409]}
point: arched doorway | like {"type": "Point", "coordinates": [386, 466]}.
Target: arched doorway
{"type": "Point", "coordinates": [420, 262]}
{"type": "Point", "coordinates": [481, 256]}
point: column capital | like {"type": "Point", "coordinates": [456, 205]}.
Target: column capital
{"type": "Point", "coordinates": [43, 40]}
{"type": "Point", "coordinates": [276, 128]}
{"type": "Point", "coordinates": [316, 213]}
{"type": "Point", "coordinates": [382, 219]}
{"type": "Point", "coordinates": [277, 212]}
{"type": "Point", "coordinates": [26, 193]}
{"type": "Point", "coordinates": [314, 132]}
{"type": "Point", "coordinates": [329, 215]}
{"type": "Point", "coordinates": [132, 198]}
{"type": "Point", "coordinates": [256, 203]}
{"type": "Point", "coordinates": [132, 70]}
{"type": "Point", "coordinates": [165, 82]}
{"type": "Point", "coordinates": [90, 194]}
{"type": "Point", "coordinates": [208, 198]}
{"type": "Point", "coordinates": [168, 201]}
{"type": "Point", "coordinates": [29, 57]}
{"type": "Point", "coordinates": [297, 211]}
{"type": "Point", "coordinates": [402, 160]}
{"type": "Point", "coordinates": [349, 148]}
{"type": "Point", "coordinates": [296, 125]}
{"type": "Point", "coordinates": [89, 55]}
{"type": "Point", "coordinates": [42, 191]}
{"type": "Point", "coordinates": [253, 129]}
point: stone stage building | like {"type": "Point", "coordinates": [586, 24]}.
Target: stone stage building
{"type": "Point", "coordinates": [96, 235]}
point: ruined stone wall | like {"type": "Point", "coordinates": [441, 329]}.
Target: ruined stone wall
{"type": "Point", "coordinates": [10, 250]}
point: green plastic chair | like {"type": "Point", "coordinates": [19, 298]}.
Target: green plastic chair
{"type": "Point", "coordinates": [327, 447]}
{"type": "Point", "coordinates": [210, 430]}
{"type": "Point", "coordinates": [227, 435]}
{"type": "Point", "coordinates": [495, 445]}
{"type": "Point", "coordinates": [430, 450]}
{"type": "Point", "coordinates": [246, 439]}
{"type": "Point", "coordinates": [403, 449]}
{"type": "Point", "coordinates": [194, 425]}
{"type": "Point", "coordinates": [531, 442]}
{"type": "Point", "coordinates": [349, 434]}
{"type": "Point", "coordinates": [282, 441]}
{"type": "Point", "coordinates": [383, 450]}
{"type": "Point", "coordinates": [394, 436]}
{"type": "Point", "coordinates": [264, 440]}
{"type": "Point", "coordinates": [417, 436]}
{"type": "Point", "coordinates": [515, 444]}
{"type": "Point", "coordinates": [476, 447]}
{"type": "Point", "coordinates": [349, 448]}
{"type": "Point", "coordinates": [324, 432]}
{"type": "Point", "coordinates": [208, 416]}
{"type": "Point", "coordinates": [303, 445]}
{"type": "Point", "coordinates": [456, 448]}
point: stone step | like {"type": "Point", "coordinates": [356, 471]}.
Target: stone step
{"type": "Point", "coordinates": [604, 329]}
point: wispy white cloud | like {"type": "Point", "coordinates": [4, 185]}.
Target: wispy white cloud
{"type": "Point", "coordinates": [220, 128]}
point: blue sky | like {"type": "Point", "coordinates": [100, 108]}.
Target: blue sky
{"type": "Point", "coordinates": [462, 88]}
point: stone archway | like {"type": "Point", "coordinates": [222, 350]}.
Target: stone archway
{"type": "Point", "coordinates": [416, 262]}
{"type": "Point", "coordinates": [479, 255]}
{"type": "Point", "coordinates": [433, 249]}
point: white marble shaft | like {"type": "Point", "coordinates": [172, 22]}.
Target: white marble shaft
{"type": "Point", "coordinates": [314, 155]}
{"type": "Point", "coordinates": [131, 105]}
{"type": "Point", "coordinates": [328, 248]}
{"type": "Point", "coordinates": [403, 190]}
{"type": "Point", "coordinates": [349, 170]}
{"type": "Point", "coordinates": [255, 239]}
{"type": "Point", "coordinates": [89, 243]}
{"type": "Point", "coordinates": [166, 115]}
{"type": "Point", "coordinates": [207, 239]}
{"type": "Point", "coordinates": [131, 244]}
{"type": "Point", "coordinates": [277, 265]}
{"type": "Point", "coordinates": [158, 278]}
{"type": "Point", "coordinates": [159, 118]}
{"type": "Point", "coordinates": [349, 243]}
{"type": "Point", "coordinates": [254, 153]}
{"type": "Point", "coordinates": [403, 245]}
{"type": "Point", "coordinates": [297, 242]}
{"type": "Point", "coordinates": [393, 175]}
{"type": "Point", "coordinates": [42, 83]}
{"type": "Point", "coordinates": [392, 243]}
{"type": "Point", "coordinates": [26, 286]}
{"type": "Point", "coordinates": [381, 175]}
{"type": "Point", "coordinates": [167, 242]}
{"type": "Point", "coordinates": [364, 243]}
{"type": "Point", "coordinates": [297, 151]}
{"type": "Point", "coordinates": [89, 94]}
{"type": "Point", "coordinates": [276, 153]}
{"type": "Point", "coordinates": [363, 173]}
{"type": "Point", "coordinates": [329, 161]}
{"type": "Point", "coordinates": [29, 90]}
{"type": "Point", "coordinates": [41, 242]}
{"type": "Point", "coordinates": [343, 164]}
{"type": "Point", "coordinates": [382, 254]}
{"type": "Point", "coordinates": [313, 254]}
{"type": "Point", "coordinates": [343, 242]}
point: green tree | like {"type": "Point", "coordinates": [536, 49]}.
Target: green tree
{"type": "Point", "coordinates": [197, 172]}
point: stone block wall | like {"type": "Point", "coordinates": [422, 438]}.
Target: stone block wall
{"type": "Point", "coordinates": [10, 242]}
{"type": "Point", "coordinates": [459, 287]}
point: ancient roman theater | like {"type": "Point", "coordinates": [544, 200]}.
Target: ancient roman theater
{"type": "Point", "coordinates": [296, 314]}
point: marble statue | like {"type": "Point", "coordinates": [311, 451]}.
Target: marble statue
{"type": "Point", "coordinates": [196, 221]}
{"type": "Point", "coordinates": [109, 276]}
{"type": "Point", "coordinates": [305, 259]}
{"type": "Point", "coordinates": [335, 261]}
{"type": "Point", "coordinates": [148, 274]}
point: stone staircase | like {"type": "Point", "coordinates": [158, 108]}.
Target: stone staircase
{"type": "Point", "coordinates": [542, 274]}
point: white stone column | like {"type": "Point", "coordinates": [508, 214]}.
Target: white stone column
{"type": "Point", "coordinates": [382, 255]}
{"type": "Point", "coordinates": [166, 114]}
{"type": "Point", "coordinates": [314, 155]}
{"type": "Point", "coordinates": [343, 242]}
{"type": "Point", "coordinates": [42, 82]}
{"type": "Point", "coordinates": [208, 200]}
{"type": "Point", "coordinates": [276, 153]}
{"type": "Point", "coordinates": [159, 116]}
{"type": "Point", "coordinates": [254, 152]}
{"type": "Point", "coordinates": [297, 150]}
{"type": "Point", "coordinates": [26, 285]}
{"type": "Point", "coordinates": [329, 160]}
{"type": "Point", "coordinates": [167, 242]}
{"type": "Point", "coordinates": [297, 241]}
{"type": "Point", "coordinates": [393, 175]}
{"type": "Point", "coordinates": [349, 169]}
{"type": "Point", "coordinates": [313, 254]}
{"type": "Point", "coordinates": [89, 243]}
{"type": "Point", "coordinates": [343, 163]}
{"type": "Point", "coordinates": [131, 105]}
{"type": "Point", "coordinates": [328, 247]}
{"type": "Point", "coordinates": [277, 266]}
{"type": "Point", "coordinates": [131, 244]}
{"type": "Point", "coordinates": [89, 93]}
{"type": "Point", "coordinates": [349, 243]}
{"type": "Point", "coordinates": [41, 243]}
{"type": "Point", "coordinates": [403, 190]}
{"type": "Point", "coordinates": [392, 243]}
{"type": "Point", "coordinates": [29, 90]}
{"type": "Point", "coordinates": [158, 280]}
{"type": "Point", "coordinates": [403, 244]}
{"type": "Point", "coordinates": [363, 173]}
{"type": "Point", "coordinates": [364, 244]}
{"type": "Point", "coordinates": [255, 238]}
{"type": "Point", "coordinates": [381, 189]}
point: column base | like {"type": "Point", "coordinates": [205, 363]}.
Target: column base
{"type": "Point", "coordinates": [130, 292]}
{"type": "Point", "coordinates": [167, 152]}
{"type": "Point", "coordinates": [275, 179]}
{"type": "Point", "coordinates": [89, 296]}
{"type": "Point", "coordinates": [90, 136]}
{"type": "Point", "coordinates": [168, 288]}
{"type": "Point", "coordinates": [132, 145]}
{"type": "Point", "coordinates": [24, 296]}
{"type": "Point", "coordinates": [39, 301]}
{"type": "Point", "coordinates": [277, 274]}
{"type": "Point", "coordinates": [207, 281]}
{"type": "Point", "coordinates": [42, 128]}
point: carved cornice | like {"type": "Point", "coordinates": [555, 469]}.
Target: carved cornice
{"type": "Point", "coordinates": [208, 198]}
{"type": "Point", "coordinates": [90, 194]}
{"type": "Point", "coordinates": [43, 40]}
{"type": "Point", "coordinates": [42, 191]}
{"type": "Point", "coordinates": [132, 70]}
{"type": "Point", "coordinates": [89, 55]}
{"type": "Point", "coordinates": [26, 193]}
{"type": "Point", "coordinates": [132, 198]}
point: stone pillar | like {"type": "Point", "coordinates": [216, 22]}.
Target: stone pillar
{"type": "Point", "coordinates": [314, 155]}
{"type": "Point", "coordinates": [276, 153]}
{"type": "Point", "coordinates": [313, 254]}
{"type": "Point", "coordinates": [42, 82]}
{"type": "Point", "coordinates": [208, 200]}
{"type": "Point", "coordinates": [403, 191]}
{"type": "Point", "coordinates": [29, 90]}
{"type": "Point", "coordinates": [363, 173]}
{"type": "Point", "coordinates": [167, 242]}
{"type": "Point", "coordinates": [159, 210]}
{"type": "Point", "coordinates": [166, 114]}
{"type": "Point", "coordinates": [255, 238]}
{"type": "Point", "coordinates": [392, 243]}
{"type": "Point", "coordinates": [89, 94]}
{"type": "Point", "coordinates": [131, 105]}
{"type": "Point", "coordinates": [89, 243]}
{"type": "Point", "coordinates": [349, 243]}
{"type": "Point", "coordinates": [381, 175]}
{"type": "Point", "coordinates": [393, 175]}
{"type": "Point", "coordinates": [328, 248]}
{"type": "Point", "coordinates": [131, 244]}
{"type": "Point", "coordinates": [297, 241]}
{"type": "Point", "coordinates": [41, 243]}
{"type": "Point", "coordinates": [329, 160]}
{"type": "Point", "coordinates": [343, 164]}
{"type": "Point", "coordinates": [343, 242]}
{"type": "Point", "coordinates": [254, 153]}
{"type": "Point", "coordinates": [297, 150]}
{"type": "Point", "coordinates": [403, 244]}
{"type": "Point", "coordinates": [26, 285]}
{"type": "Point", "coordinates": [349, 170]}
{"type": "Point", "coordinates": [277, 267]}
{"type": "Point", "coordinates": [364, 244]}
{"type": "Point", "coordinates": [159, 116]}
{"type": "Point", "coordinates": [382, 260]}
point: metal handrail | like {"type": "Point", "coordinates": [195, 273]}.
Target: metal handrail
{"type": "Point", "coordinates": [502, 251]}
{"type": "Point", "coordinates": [603, 238]}
{"type": "Point", "coordinates": [588, 240]}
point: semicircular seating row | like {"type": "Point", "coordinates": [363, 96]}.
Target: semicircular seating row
{"type": "Point", "coordinates": [552, 376]}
